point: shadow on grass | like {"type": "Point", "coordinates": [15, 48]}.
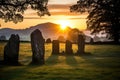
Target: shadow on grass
{"type": "Point", "coordinates": [3, 63]}
{"type": "Point", "coordinates": [106, 66]}
{"type": "Point", "coordinates": [52, 60]}
{"type": "Point", "coordinates": [102, 61]}
{"type": "Point", "coordinates": [11, 72]}
{"type": "Point", "coordinates": [70, 60]}
{"type": "Point", "coordinates": [21, 72]}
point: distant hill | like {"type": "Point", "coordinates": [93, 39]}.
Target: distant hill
{"type": "Point", "coordinates": [49, 30]}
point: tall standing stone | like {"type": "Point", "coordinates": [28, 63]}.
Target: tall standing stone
{"type": "Point", "coordinates": [55, 47]}
{"type": "Point", "coordinates": [11, 50]}
{"type": "Point", "coordinates": [68, 47]}
{"type": "Point", "coordinates": [81, 44]}
{"type": "Point", "coordinates": [38, 48]}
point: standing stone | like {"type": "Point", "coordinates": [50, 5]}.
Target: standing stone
{"type": "Point", "coordinates": [68, 47]}
{"type": "Point", "coordinates": [11, 50]}
{"type": "Point", "coordinates": [91, 41]}
{"type": "Point", "coordinates": [55, 47]}
{"type": "Point", "coordinates": [38, 48]}
{"type": "Point", "coordinates": [48, 40]}
{"type": "Point", "coordinates": [81, 44]}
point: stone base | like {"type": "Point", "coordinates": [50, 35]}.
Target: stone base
{"type": "Point", "coordinates": [10, 64]}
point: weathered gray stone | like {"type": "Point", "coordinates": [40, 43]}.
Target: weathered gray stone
{"type": "Point", "coordinates": [55, 47]}
{"type": "Point", "coordinates": [38, 48]}
{"type": "Point", "coordinates": [81, 44]}
{"type": "Point", "coordinates": [68, 47]}
{"type": "Point", "coordinates": [11, 50]}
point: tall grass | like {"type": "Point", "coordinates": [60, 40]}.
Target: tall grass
{"type": "Point", "coordinates": [103, 64]}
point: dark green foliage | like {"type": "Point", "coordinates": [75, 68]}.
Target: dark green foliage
{"type": "Point", "coordinates": [104, 15]}
{"type": "Point", "coordinates": [13, 10]}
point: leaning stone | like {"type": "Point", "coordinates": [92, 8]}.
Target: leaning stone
{"type": "Point", "coordinates": [38, 49]}
{"type": "Point", "coordinates": [11, 50]}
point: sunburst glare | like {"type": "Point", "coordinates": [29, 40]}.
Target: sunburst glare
{"type": "Point", "coordinates": [64, 24]}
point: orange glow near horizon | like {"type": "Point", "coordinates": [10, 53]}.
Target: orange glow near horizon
{"type": "Point", "coordinates": [64, 24]}
{"type": "Point", "coordinates": [76, 23]}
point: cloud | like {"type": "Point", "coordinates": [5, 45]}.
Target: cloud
{"type": "Point", "coordinates": [34, 18]}
{"type": "Point", "coordinates": [59, 6]}
{"type": "Point", "coordinates": [77, 18]}
{"type": "Point", "coordinates": [62, 1]}
{"type": "Point", "coordinates": [61, 10]}
{"type": "Point", "coordinates": [56, 11]}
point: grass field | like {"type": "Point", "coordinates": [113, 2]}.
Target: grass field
{"type": "Point", "coordinates": [103, 64]}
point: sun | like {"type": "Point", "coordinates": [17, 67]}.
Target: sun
{"type": "Point", "coordinates": [64, 24]}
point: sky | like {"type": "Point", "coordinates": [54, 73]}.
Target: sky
{"type": "Point", "coordinates": [60, 13]}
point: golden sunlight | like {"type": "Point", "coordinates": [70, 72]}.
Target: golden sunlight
{"type": "Point", "coordinates": [64, 24]}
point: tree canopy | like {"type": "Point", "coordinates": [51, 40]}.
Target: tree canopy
{"type": "Point", "coordinates": [61, 38]}
{"type": "Point", "coordinates": [13, 10]}
{"type": "Point", "coordinates": [104, 15]}
{"type": "Point", "coordinates": [73, 35]}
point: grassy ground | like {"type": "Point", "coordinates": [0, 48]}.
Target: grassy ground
{"type": "Point", "coordinates": [103, 64]}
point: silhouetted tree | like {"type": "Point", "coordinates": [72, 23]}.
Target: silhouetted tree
{"type": "Point", "coordinates": [73, 35]}
{"type": "Point", "coordinates": [103, 15]}
{"type": "Point", "coordinates": [13, 10]}
{"type": "Point", "coordinates": [61, 39]}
